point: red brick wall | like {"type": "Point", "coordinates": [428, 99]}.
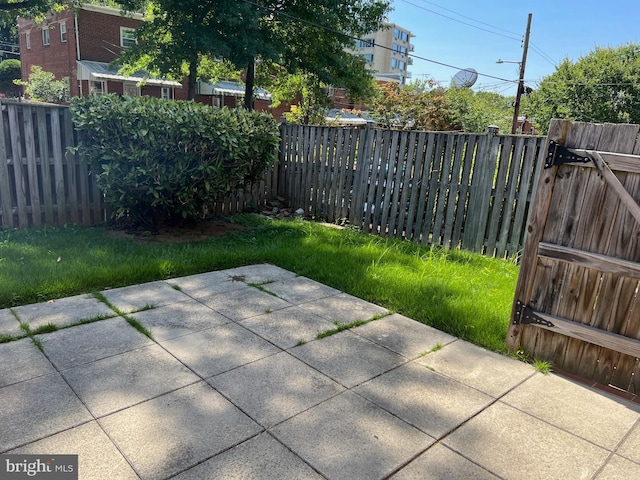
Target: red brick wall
{"type": "Point", "coordinates": [99, 35]}
{"type": "Point", "coordinates": [57, 57]}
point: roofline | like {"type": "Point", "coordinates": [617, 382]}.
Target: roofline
{"type": "Point", "coordinates": [111, 11]}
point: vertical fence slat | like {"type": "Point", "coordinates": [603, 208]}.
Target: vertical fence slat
{"type": "Point", "coordinates": [454, 189]}
{"type": "Point", "coordinates": [427, 162]}
{"type": "Point", "coordinates": [16, 153]}
{"type": "Point", "coordinates": [45, 165]}
{"type": "Point", "coordinates": [463, 195]}
{"type": "Point", "coordinates": [5, 190]}
{"type": "Point", "coordinates": [32, 165]}
{"type": "Point", "coordinates": [417, 160]}
{"type": "Point", "coordinates": [396, 173]}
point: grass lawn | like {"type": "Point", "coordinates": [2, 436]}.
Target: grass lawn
{"type": "Point", "coordinates": [464, 294]}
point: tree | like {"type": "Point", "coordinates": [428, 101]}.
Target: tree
{"type": "Point", "coordinates": [43, 87]}
{"type": "Point", "coordinates": [421, 105]}
{"type": "Point", "coordinates": [476, 111]}
{"type": "Point", "coordinates": [9, 73]}
{"type": "Point", "coordinates": [302, 37]}
{"type": "Point", "coordinates": [603, 86]}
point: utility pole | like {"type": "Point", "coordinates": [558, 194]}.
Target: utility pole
{"type": "Point", "coordinates": [516, 107]}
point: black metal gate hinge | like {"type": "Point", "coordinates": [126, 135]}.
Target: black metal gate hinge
{"type": "Point", "coordinates": [559, 154]}
{"type": "Point", "coordinates": [526, 316]}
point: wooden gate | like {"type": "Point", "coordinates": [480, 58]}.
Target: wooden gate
{"type": "Point", "coordinates": [576, 302]}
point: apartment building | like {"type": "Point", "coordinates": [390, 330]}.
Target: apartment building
{"type": "Point", "coordinates": [387, 53]}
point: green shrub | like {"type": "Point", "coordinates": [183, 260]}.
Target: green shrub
{"type": "Point", "coordinates": [160, 161]}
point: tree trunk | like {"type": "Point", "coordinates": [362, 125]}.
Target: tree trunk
{"type": "Point", "coordinates": [193, 77]}
{"type": "Point", "coordinates": [248, 89]}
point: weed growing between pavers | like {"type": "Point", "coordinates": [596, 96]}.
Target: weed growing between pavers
{"type": "Point", "coordinates": [346, 326]}
{"type": "Point", "coordinates": [435, 348]}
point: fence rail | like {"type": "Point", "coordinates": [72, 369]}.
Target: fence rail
{"type": "Point", "coordinates": [452, 189]}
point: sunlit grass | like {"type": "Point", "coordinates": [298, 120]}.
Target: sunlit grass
{"type": "Point", "coordinates": [464, 294]}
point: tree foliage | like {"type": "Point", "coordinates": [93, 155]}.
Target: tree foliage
{"type": "Point", "coordinates": [603, 86]}
{"type": "Point", "coordinates": [303, 37]}
{"type": "Point", "coordinates": [426, 105]}
{"type": "Point", "coordinates": [419, 105]}
{"type": "Point", "coordinates": [43, 87]}
{"type": "Point", "coordinates": [9, 73]}
{"type": "Point", "coordinates": [476, 111]}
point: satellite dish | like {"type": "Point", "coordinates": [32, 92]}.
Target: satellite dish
{"type": "Point", "coordinates": [464, 78]}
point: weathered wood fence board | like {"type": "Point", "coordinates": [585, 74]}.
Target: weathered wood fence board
{"type": "Point", "coordinates": [451, 189]}
{"type": "Point", "coordinates": [580, 269]}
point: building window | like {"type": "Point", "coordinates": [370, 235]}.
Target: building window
{"type": "Point", "coordinates": [27, 40]}
{"type": "Point", "coordinates": [127, 37]}
{"type": "Point", "coordinates": [97, 88]}
{"type": "Point", "coordinates": [399, 49]}
{"type": "Point", "coordinates": [399, 64]}
{"type": "Point", "coordinates": [400, 35]}
{"type": "Point", "coordinates": [366, 43]}
{"type": "Point", "coordinates": [166, 93]}
{"type": "Point", "coordinates": [130, 89]}
{"type": "Point", "coordinates": [368, 57]}
{"type": "Point", "coordinates": [63, 32]}
{"type": "Point", "coordinates": [46, 37]}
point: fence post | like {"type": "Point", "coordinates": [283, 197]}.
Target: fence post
{"type": "Point", "coordinates": [484, 168]}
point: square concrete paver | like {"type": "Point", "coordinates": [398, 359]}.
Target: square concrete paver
{"type": "Point", "coordinates": [123, 380]}
{"type": "Point", "coordinates": [98, 458]}
{"type": "Point", "coordinates": [136, 297]}
{"type": "Point", "coordinates": [37, 408]}
{"type": "Point", "coordinates": [300, 289]}
{"type": "Point", "coordinates": [564, 404]}
{"type": "Point", "coordinates": [427, 400]}
{"type": "Point", "coordinates": [403, 335]}
{"type": "Point", "coordinates": [177, 319]}
{"type": "Point", "coordinates": [206, 284]}
{"type": "Point", "coordinates": [441, 463]}
{"type": "Point", "coordinates": [619, 468]}
{"type": "Point", "coordinates": [515, 445]}
{"type": "Point", "coordinates": [486, 371]}
{"type": "Point", "coordinates": [348, 358]}
{"type": "Point", "coordinates": [219, 349]}
{"type": "Point", "coordinates": [287, 327]}
{"type": "Point", "coordinates": [344, 308]}
{"type": "Point", "coordinates": [350, 437]}
{"type": "Point", "coordinates": [21, 360]}
{"type": "Point", "coordinates": [90, 342]}
{"type": "Point", "coordinates": [174, 432]}
{"type": "Point", "coordinates": [63, 311]}
{"type": "Point", "coordinates": [275, 388]}
{"type": "Point", "coordinates": [244, 303]}
{"type": "Point", "coordinates": [259, 273]}
{"type": "Point", "coordinates": [9, 325]}
{"type": "Point", "coordinates": [261, 457]}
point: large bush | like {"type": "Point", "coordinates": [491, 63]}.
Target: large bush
{"type": "Point", "coordinates": [162, 161]}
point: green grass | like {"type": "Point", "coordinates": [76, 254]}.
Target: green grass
{"type": "Point", "coordinates": [464, 294]}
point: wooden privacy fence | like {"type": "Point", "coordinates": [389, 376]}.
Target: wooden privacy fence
{"type": "Point", "coordinates": [41, 183]}
{"type": "Point", "coordinates": [451, 189]}
{"type": "Point", "coordinates": [576, 302]}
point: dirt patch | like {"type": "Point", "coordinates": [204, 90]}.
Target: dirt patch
{"type": "Point", "coordinates": [204, 230]}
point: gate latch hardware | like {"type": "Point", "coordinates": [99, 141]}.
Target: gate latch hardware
{"type": "Point", "coordinates": [526, 316]}
{"type": "Point", "coordinates": [559, 154]}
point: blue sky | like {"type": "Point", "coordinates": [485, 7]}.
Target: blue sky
{"type": "Point", "coordinates": [559, 29]}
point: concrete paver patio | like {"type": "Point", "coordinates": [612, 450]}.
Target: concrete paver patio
{"type": "Point", "coordinates": [234, 384]}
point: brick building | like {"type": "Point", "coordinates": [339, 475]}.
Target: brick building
{"type": "Point", "coordinates": [81, 46]}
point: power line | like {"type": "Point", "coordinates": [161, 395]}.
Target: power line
{"type": "Point", "coordinates": [346, 35]}
{"type": "Point", "coordinates": [472, 19]}
{"type": "Point", "coordinates": [460, 21]}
